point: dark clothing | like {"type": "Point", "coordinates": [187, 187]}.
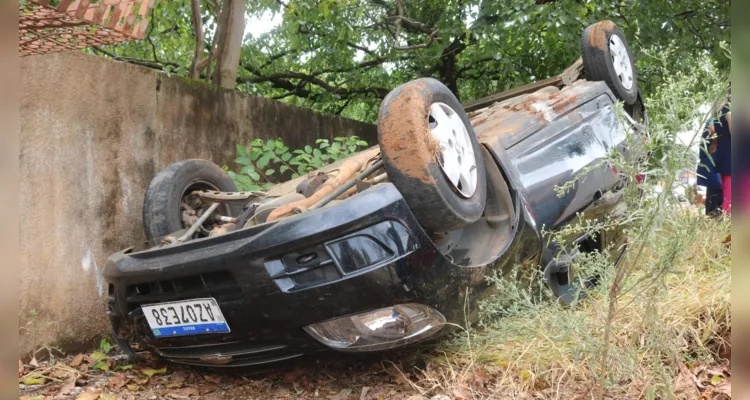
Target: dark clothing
{"type": "Point", "coordinates": [706, 173]}
{"type": "Point", "coordinates": [723, 154]}
{"type": "Point", "coordinates": [714, 200]}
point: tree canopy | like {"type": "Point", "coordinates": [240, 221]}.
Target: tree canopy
{"type": "Point", "coordinates": [344, 56]}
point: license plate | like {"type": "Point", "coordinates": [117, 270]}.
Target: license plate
{"type": "Point", "coordinates": [186, 317]}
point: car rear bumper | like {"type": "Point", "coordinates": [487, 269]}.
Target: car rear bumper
{"type": "Point", "coordinates": [271, 281]}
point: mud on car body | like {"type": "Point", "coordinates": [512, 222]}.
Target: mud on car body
{"type": "Point", "coordinates": [382, 249]}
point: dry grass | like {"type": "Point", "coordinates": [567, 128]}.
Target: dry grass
{"type": "Point", "coordinates": [666, 317]}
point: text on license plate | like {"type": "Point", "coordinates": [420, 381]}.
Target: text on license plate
{"type": "Point", "coordinates": [186, 317]}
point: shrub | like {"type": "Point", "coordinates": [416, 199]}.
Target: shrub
{"type": "Point", "coordinates": [265, 162]}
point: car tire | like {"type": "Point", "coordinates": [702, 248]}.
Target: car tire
{"type": "Point", "coordinates": [607, 57]}
{"type": "Point", "coordinates": [165, 193]}
{"type": "Point", "coordinates": [432, 155]}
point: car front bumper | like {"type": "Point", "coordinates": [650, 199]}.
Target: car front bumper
{"type": "Point", "coordinates": [272, 280]}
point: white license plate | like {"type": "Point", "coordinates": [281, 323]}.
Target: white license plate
{"type": "Point", "coordinates": [186, 317]}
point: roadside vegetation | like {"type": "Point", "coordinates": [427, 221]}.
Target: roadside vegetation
{"type": "Point", "coordinates": [657, 326]}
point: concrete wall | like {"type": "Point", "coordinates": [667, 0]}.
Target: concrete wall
{"type": "Point", "coordinates": [93, 134]}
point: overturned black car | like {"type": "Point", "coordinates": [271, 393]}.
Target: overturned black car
{"type": "Point", "coordinates": [381, 249]}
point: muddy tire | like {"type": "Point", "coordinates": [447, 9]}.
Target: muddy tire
{"type": "Point", "coordinates": [432, 155]}
{"type": "Point", "coordinates": [607, 57]}
{"type": "Point", "coordinates": [161, 204]}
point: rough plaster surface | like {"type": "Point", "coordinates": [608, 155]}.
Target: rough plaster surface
{"type": "Point", "coordinates": [93, 134]}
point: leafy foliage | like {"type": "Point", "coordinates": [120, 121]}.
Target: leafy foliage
{"type": "Point", "coordinates": [262, 162]}
{"type": "Point", "coordinates": [343, 56]}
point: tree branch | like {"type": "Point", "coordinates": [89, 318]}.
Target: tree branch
{"type": "Point", "coordinates": [195, 7]}
{"type": "Point", "coordinates": [157, 65]}
{"type": "Point", "coordinates": [419, 46]}
{"type": "Point", "coordinates": [411, 23]}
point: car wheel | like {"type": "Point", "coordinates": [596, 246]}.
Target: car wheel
{"type": "Point", "coordinates": [168, 200]}
{"type": "Point", "coordinates": [607, 57]}
{"type": "Point", "coordinates": [432, 155]}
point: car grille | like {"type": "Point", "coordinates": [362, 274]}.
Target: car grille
{"type": "Point", "coordinates": [233, 354]}
{"type": "Point", "coordinates": [220, 285]}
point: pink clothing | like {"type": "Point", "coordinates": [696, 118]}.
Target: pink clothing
{"type": "Point", "coordinates": [726, 187]}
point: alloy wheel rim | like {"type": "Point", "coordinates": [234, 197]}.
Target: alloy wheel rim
{"type": "Point", "coordinates": [456, 156]}
{"type": "Point", "coordinates": [621, 61]}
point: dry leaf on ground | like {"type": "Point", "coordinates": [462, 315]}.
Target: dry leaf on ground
{"type": "Point", "coordinates": [364, 392]}
{"type": "Point", "coordinates": [69, 384]}
{"type": "Point", "coordinates": [89, 395]}
{"type": "Point", "coordinates": [205, 389]}
{"type": "Point", "coordinates": [107, 396]}
{"type": "Point", "coordinates": [343, 394]}
{"type": "Point", "coordinates": [77, 360]}
{"type": "Point", "coordinates": [182, 394]}
{"type": "Point", "coordinates": [684, 384]}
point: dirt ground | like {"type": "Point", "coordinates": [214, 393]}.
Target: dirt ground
{"type": "Point", "coordinates": [104, 375]}
{"type": "Point", "coordinates": [81, 378]}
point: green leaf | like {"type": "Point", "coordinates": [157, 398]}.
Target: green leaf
{"type": "Point", "coordinates": [316, 153]}
{"type": "Point", "coordinates": [244, 179]}
{"type": "Point", "coordinates": [151, 372]}
{"type": "Point", "coordinates": [244, 160]}
{"type": "Point", "coordinates": [308, 149]}
{"type": "Point", "coordinates": [255, 153]}
{"type": "Point", "coordinates": [255, 176]}
{"type": "Point", "coordinates": [267, 186]}
{"type": "Point", "coordinates": [232, 175]}
{"type": "Point", "coordinates": [253, 188]}
{"type": "Point", "coordinates": [257, 143]}
{"type": "Point", "coordinates": [34, 380]}
{"type": "Point", "coordinates": [324, 145]}
{"type": "Point", "coordinates": [242, 150]}
{"type": "Point", "coordinates": [263, 162]}
{"type": "Point", "coordinates": [105, 346]}
{"type": "Point", "coordinates": [283, 168]}
{"type": "Point", "coordinates": [361, 143]}
{"type": "Point", "coordinates": [124, 367]}
{"type": "Point", "coordinates": [269, 172]}
{"type": "Point", "coordinates": [295, 175]}
{"type": "Point", "coordinates": [97, 355]}
{"type": "Point", "coordinates": [286, 157]}
{"type": "Point", "coordinates": [102, 365]}
{"type": "Point", "coordinates": [270, 145]}
{"type": "Point", "coordinates": [247, 169]}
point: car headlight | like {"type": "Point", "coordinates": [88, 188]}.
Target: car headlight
{"type": "Point", "coordinates": [379, 329]}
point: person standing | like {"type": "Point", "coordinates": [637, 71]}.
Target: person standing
{"type": "Point", "coordinates": [723, 154]}
{"type": "Point", "coordinates": [707, 176]}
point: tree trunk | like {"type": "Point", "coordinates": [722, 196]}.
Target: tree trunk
{"type": "Point", "coordinates": [230, 33]}
{"type": "Point", "coordinates": [195, 67]}
{"type": "Point", "coordinates": [448, 72]}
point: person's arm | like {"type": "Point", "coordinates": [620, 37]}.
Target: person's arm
{"type": "Point", "coordinates": [729, 121]}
